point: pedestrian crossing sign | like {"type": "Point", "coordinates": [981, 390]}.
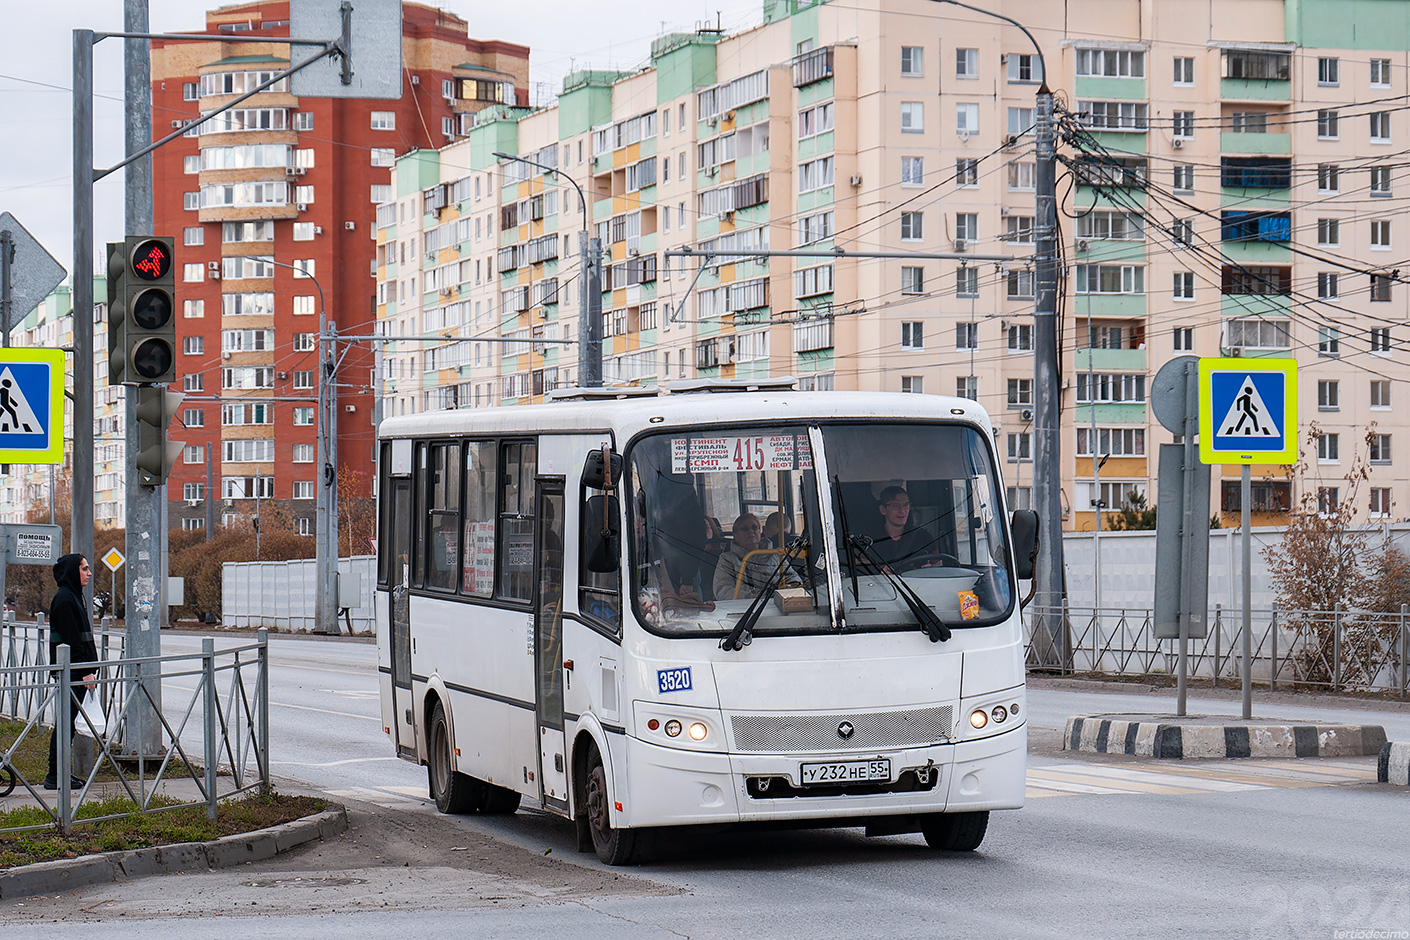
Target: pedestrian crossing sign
{"type": "Point", "coordinates": [31, 406]}
{"type": "Point", "coordinates": [1248, 411]}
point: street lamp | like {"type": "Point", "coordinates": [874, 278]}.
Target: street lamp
{"type": "Point", "coordinates": [589, 286]}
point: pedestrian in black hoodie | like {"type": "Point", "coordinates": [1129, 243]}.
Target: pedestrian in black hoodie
{"type": "Point", "coordinates": [69, 623]}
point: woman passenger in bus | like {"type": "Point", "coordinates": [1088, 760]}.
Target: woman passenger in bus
{"type": "Point", "coordinates": [747, 535]}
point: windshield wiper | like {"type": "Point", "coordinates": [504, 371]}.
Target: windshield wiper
{"type": "Point", "coordinates": [929, 621]}
{"type": "Point", "coordinates": [743, 633]}
{"type": "Point", "coordinates": [846, 535]}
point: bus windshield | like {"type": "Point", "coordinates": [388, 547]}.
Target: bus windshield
{"type": "Point", "coordinates": [720, 516]}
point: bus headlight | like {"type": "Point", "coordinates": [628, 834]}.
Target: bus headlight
{"type": "Point", "coordinates": [673, 728]}
{"type": "Point", "coordinates": [978, 718]}
{"type": "Point", "coordinates": [698, 731]}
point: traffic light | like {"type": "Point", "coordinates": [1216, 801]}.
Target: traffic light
{"type": "Point", "coordinates": [155, 454]}
{"type": "Point", "coordinates": [141, 311]}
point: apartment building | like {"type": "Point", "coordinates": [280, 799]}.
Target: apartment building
{"type": "Point", "coordinates": [273, 206]}
{"type": "Point", "coordinates": [27, 488]}
{"type": "Point", "coordinates": [1228, 187]}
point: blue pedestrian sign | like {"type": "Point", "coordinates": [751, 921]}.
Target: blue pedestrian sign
{"type": "Point", "coordinates": [31, 406]}
{"type": "Point", "coordinates": [1248, 411]}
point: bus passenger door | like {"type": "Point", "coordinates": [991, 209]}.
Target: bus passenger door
{"type": "Point", "coordinates": [399, 609]}
{"type": "Point", "coordinates": [548, 643]}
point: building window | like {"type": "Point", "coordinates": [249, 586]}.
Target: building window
{"type": "Point", "coordinates": [1380, 448]}
{"type": "Point", "coordinates": [1019, 283]}
{"type": "Point", "coordinates": [1327, 121]}
{"type": "Point", "coordinates": [1328, 499]}
{"type": "Point", "coordinates": [193, 345]}
{"type": "Point", "coordinates": [966, 119]}
{"type": "Point", "coordinates": [1380, 73]}
{"type": "Point", "coordinates": [1249, 122]}
{"type": "Point", "coordinates": [1380, 181]}
{"type": "Point", "coordinates": [1184, 124]}
{"type": "Point", "coordinates": [193, 418]}
{"type": "Point", "coordinates": [1111, 63]}
{"type": "Point", "coordinates": [191, 164]}
{"type": "Point", "coordinates": [1114, 115]}
{"type": "Point", "coordinates": [195, 235]}
{"type": "Point", "coordinates": [384, 120]}
{"type": "Point", "coordinates": [386, 156]}
{"type": "Point", "coordinates": [380, 193]}
{"type": "Point", "coordinates": [303, 378]}
{"type": "Point", "coordinates": [1327, 181]}
{"type": "Point", "coordinates": [303, 231]}
{"type": "Point", "coordinates": [1328, 447]}
{"type": "Point", "coordinates": [1112, 442]}
{"type": "Point", "coordinates": [303, 489]}
{"type": "Point", "coordinates": [1184, 285]}
{"type": "Point", "coordinates": [966, 227]}
{"type": "Point", "coordinates": [1328, 341]}
{"type": "Point", "coordinates": [1327, 71]}
{"type": "Point", "coordinates": [1328, 232]}
{"type": "Point", "coordinates": [1380, 393]}
{"type": "Point", "coordinates": [1380, 339]}
{"type": "Point", "coordinates": [303, 267]}
{"type": "Point", "coordinates": [191, 273]}
{"type": "Point", "coordinates": [1020, 446]}
{"type": "Point", "coordinates": [1381, 502]}
{"type": "Point", "coordinates": [966, 335]}
{"type": "Point", "coordinates": [913, 335]}
{"type": "Point", "coordinates": [1328, 395]}
{"type": "Point", "coordinates": [913, 60]}
{"type": "Point", "coordinates": [1018, 229]}
{"type": "Point", "coordinates": [1020, 175]}
{"type": "Point", "coordinates": [1380, 233]}
{"type": "Point", "coordinates": [967, 282]}
{"type": "Point", "coordinates": [912, 280]}
{"type": "Point", "coordinates": [303, 416]}
{"type": "Point", "coordinates": [1020, 392]}
{"type": "Point", "coordinates": [193, 309]}
{"type": "Point", "coordinates": [966, 172]}
{"type": "Point", "coordinates": [912, 117]}
{"type": "Point", "coordinates": [1183, 177]}
{"type": "Point", "coordinates": [305, 526]}
{"type": "Point", "coordinates": [190, 91]}
{"type": "Point", "coordinates": [304, 305]}
{"type": "Point", "coordinates": [1111, 279]}
{"type": "Point", "coordinates": [912, 171]}
{"type": "Point", "coordinates": [1255, 333]}
{"type": "Point", "coordinates": [193, 454]}
{"type": "Point", "coordinates": [302, 453]}
{"type": "Point", "coordinates": [913, 384]}
{"type": "Point", "coordinates": [1182, 231]}
{"type": "Point", "coordinates": [1020, 337]}
{"type": "Point", "coordinates": [967, 386]}
{"type": "Point", "coordinates": [1380, 287]}
{"type": "Point", "coordinates": [1020, 121]}
{"type": "Point", "coordinates": [1024, 67]}
{"type": "Point", "coordinates": [1327, 285]}
{"type": "Point", "coordinates": [1380, 127]}
{"type": "Point", "coordinates": [1184, 338]}
{"type": "Point", "coordinates": [966, 63]}
{"type": "Point", "coordinates": [1184, 70]}
{"type": "Point", "coordinates": [912, 226]}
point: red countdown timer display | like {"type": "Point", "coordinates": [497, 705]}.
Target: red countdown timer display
{"type": "Point", "coordinates": [151, 260]}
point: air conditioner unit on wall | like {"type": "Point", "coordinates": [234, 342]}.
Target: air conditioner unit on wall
{"type": "Point", "coordinates": [318, 230]}
{"type": "Point", "coordinates": [1177, 143]}
{"type": "Point", "coordinates": [961, 244]}
{"type": "Point", "coordinates": [301, 206]}
{"type": "Point", "coordinates": [350, 226]}
{"type": "Point", "coordinates": [416, 79]}
{"type": "Point", "coordinates": [856, 179]}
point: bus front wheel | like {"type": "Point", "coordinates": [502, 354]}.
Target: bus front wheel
{"type": "Point", "coordinates": [613, 846]}
{"type": "Point", "coordinates": [453, 792]}
{"type": "Point", "coordinates": [955, 832]}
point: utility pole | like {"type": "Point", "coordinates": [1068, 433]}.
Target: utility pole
{"type": "Point", "coordinates": [210, 492]}
{"type": "Point", "coordinates": [146, 536]}
{"type": "Point", "coordinates": [326, 507]}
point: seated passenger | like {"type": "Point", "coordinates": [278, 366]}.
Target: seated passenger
{"type": "Point", "coordinates": [900, 547]}
{"type": "Point", "coordinates": [747, 534]}
{"type": "Point", "coordinates": [777, 529]}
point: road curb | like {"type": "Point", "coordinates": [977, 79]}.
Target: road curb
{"type": "Point", "coordinates": [66, 874]}
{"type": "Point", "coordinates": [1393, 765]}
{"type": "Point", "coordinates": [1188, 738]}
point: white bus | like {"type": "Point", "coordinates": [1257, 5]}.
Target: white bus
{"type": "Point", "coordinates": [725, 605]}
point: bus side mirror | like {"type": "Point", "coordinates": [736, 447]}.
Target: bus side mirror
{"type": "Point", "coordinates": [1023, 524]}
{"type": "Point", "coordinates": [602, 534]}
{"type": "Point", "coordinates": [596, 467]}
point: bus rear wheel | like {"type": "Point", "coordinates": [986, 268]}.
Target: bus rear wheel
{"type": "Point", "coordinates": [453, 792]}
{"type": "Point", "coordinates": [955, 832]}
{"type": "Point", "coordinates": [500, 801]}
{"type": "Point", "coordinates": [613, 846]}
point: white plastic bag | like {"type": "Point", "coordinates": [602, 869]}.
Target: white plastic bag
{"type": "Point", "coordinates": [93, 722]}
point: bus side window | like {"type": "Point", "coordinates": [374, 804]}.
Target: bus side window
{"type": "Point", "coordinates": [516, 529]}
{"type": "Point", "coordinates": [600, 592]}
{"type": "Point", "coordinates": [443, 517]}
{"type": "Point", "coordinates": [481, 475]}
{"type": "Point", "coordinates": [420, 517]}
{"type": "Point", "coordinates": [384, 527]}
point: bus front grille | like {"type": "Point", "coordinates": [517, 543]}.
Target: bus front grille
{"type": "Point", "coordinates": [863, 731]}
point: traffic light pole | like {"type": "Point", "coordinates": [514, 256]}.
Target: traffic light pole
{"type": "Point", "coordinates": [146, 537]}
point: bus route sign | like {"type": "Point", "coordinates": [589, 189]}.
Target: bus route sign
{"type": "Point", "coordinates": [1248, 411]}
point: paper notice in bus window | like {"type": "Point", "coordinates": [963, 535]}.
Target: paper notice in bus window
{"type": "Point", "coordinates": [478, 573]}
{"type": "Point", "coordinates": [736, 454]}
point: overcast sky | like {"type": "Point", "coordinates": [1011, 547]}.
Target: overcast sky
{"type": "Point", "coordinates": [36, 66]}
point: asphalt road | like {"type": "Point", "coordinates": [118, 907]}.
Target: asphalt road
{"type": "Point", "coordinates": [1105, 848]}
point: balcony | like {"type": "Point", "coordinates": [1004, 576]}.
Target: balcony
{"type": "Point", "coordinates": [812, 67]}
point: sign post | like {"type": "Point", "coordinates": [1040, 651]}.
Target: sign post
{"type": "Point", "coordinates": [28, 545]}
{"type": "Point", "coordinates": [112, 560]}
{"type": "Point", "coordinates": [1248, 416]}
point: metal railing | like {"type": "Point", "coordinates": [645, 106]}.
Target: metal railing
{"type": "Point", "coordinates": [211, 743]}
{"type": "Point", "coordinates": [1337, 650]}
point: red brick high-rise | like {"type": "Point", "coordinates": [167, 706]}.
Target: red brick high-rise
{"type": "Point", "coordinates": [294, 182]}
